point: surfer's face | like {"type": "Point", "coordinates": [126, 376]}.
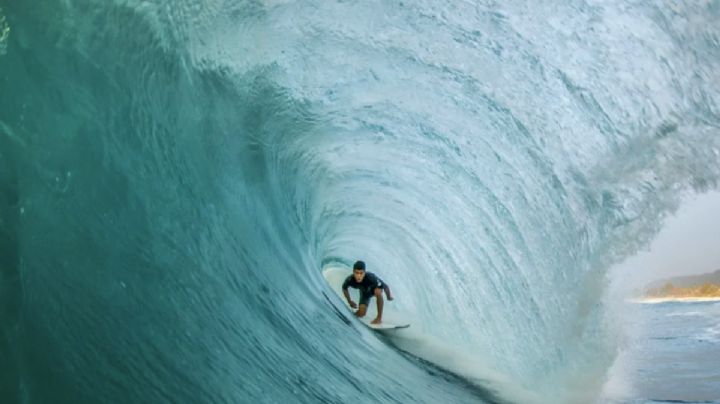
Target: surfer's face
{"type": "Point", "coordinates": [358, 274]}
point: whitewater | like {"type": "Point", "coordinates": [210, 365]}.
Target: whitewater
{"type": "Point", "coordinates": [175, 175]}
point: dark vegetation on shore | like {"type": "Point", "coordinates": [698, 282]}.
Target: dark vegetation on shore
{"type": "Point", "coordinates": [705, 285]}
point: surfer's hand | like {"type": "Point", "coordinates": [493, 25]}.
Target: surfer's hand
{"type": "Point", "coordinates": [390, 297]}
{"type": "Point", "coordinates": [352, 304]}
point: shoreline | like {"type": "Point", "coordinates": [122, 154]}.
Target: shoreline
{"type": "Point", "coordinates": [653, 300]}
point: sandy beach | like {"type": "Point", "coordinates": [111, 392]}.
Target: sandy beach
{"type": "Point", "coordinates": [652, 300]}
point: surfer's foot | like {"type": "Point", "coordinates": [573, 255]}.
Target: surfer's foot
{"type": "Point", "coordinates": [376, 321]}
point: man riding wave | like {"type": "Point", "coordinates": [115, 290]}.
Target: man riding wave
{"type": "Point", "coordinates": [370, 285]}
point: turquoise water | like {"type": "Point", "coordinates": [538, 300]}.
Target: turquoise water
{"type": "Point", "coordinates": [174, 176]}
{"type": "Point", "coordinates": [673, 353]}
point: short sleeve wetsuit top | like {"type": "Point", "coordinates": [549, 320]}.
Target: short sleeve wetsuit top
{"type": "Point", "coordinates": [367, 287]}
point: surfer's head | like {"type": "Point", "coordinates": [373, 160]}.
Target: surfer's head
{"type": "Point", "coordinates": [359, 271]}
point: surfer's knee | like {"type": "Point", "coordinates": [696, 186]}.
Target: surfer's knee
{"type": "Point", "coordinates": [361, 310]}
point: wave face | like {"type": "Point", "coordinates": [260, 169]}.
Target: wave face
{"type": "Point", "coordinates": [175, 174]}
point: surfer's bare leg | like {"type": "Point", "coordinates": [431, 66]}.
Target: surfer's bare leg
{"type": "Point", "coordinates": [361, 311]}
{"type": "Point", "coordinates": [379, 298]}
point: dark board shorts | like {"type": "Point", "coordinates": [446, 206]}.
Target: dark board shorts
{"type": "Point", "coordinates": [366, 296]}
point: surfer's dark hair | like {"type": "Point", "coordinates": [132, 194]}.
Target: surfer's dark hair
{"type": "Point", "coordinates": [359, 265]}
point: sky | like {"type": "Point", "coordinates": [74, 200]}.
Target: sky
{"type": "Point", "coordinates": [688, 244]}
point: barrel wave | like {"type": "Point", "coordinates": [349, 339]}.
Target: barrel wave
{"type": "Point", "coordinates": [175, 176]}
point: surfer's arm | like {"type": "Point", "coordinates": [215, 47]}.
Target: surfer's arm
{"type": "Point", "coordinates": [349, 300]}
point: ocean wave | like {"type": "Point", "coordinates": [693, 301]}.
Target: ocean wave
{"type": "Point", "coordinates": [184, 170]}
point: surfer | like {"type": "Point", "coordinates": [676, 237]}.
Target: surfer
{"type": "Point", "coordinates": [370, 285]}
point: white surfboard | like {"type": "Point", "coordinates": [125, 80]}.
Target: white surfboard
{"type": "Point", "coordinates": [385, 325]}
{"type": "Point", "coordinates": [335, 276]}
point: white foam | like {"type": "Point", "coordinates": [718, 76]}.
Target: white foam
{"type": "Point", "coordinates": [686, 314]}
{"type": "Point", "coordinates": [710, 334]}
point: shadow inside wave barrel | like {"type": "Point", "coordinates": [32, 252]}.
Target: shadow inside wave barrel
{"type": "Point", "coordinates": [455, 367]}
{"type": "Point", "coordinates": [425, 351]}
{"type": "Point", "coordinates": [484, 393]}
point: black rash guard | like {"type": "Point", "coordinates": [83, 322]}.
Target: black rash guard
{"type": "Point", "coordinates": [367, 287]}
